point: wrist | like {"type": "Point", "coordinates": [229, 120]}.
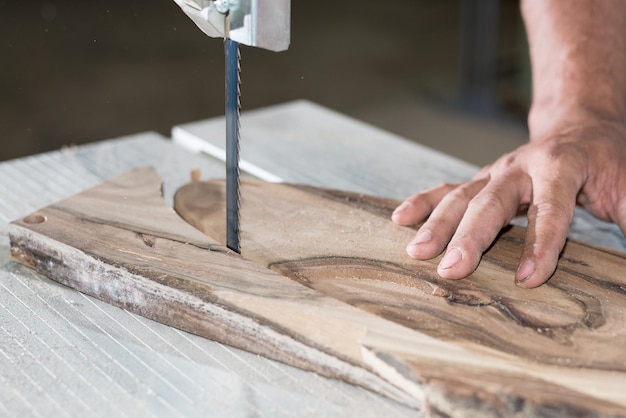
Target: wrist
{"type": "Point", "coordinates": [553, 117]}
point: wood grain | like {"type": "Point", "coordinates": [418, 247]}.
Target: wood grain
{"type": "Point", "coordinates": [354, 309]}
{"type": "Point", "coordinates": [557, 348]}
{"type": "Point", "coordinates": [121, 243]}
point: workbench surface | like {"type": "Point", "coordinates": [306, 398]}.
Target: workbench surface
{"type": "Point", "coordinates": [66, 354]}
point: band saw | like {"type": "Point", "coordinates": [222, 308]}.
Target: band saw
{"type": "Point", "coordinates": [263, 24]}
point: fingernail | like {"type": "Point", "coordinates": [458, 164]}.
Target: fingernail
{"type": "Point", "coordinates": [525, 270]}
{"type": "Point", "coordinates": [401, 208]}
{"type": "Point", "coordinates": [421, 237]}
{"type": "Point", "coordinates": [451, 259]}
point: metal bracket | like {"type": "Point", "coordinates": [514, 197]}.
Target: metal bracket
{"type": "Point", "coordinates": [261, 23]}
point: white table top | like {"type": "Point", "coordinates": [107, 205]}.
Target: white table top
{"type": "Point", "coordinates": [66, 354]}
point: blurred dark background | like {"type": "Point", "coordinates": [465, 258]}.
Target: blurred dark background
{"type": "Point", "coordinates": [452, 74]}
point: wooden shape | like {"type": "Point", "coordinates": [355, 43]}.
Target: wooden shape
{"type": "Point", "coordinates": [121, 243]}
{"type": "Point", "coordinates": [555, 349]}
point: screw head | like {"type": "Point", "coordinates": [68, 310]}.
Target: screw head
{"type": "Point", "coordinates": [222, 6]}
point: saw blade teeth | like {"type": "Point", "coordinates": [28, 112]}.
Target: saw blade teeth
{"type": "Point", "coordinates": [233, 110]}
{"type": "Point", "coordinates": [238, 149]}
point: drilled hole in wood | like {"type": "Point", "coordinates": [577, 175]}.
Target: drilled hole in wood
{"type": "Point", "coordinates": [35, 219]}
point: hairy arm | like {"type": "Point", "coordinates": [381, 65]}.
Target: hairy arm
{"type": "Point", "coordinates": [578, 56]}
{"type": "Point", "coordinates": [576, 152]}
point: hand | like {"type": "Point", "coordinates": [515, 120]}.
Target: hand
{"type": "Point", "coordinates": [548, 176]}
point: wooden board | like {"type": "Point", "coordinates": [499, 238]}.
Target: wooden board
{"type": "Point", "coordinates": [121, 243]}
{"type": "Point", "coordinates": [570, 332]}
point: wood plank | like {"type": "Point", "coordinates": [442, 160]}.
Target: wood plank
{"type": "Point", "coordinates": [126, 363]}
{"type": "Point", "coordinates": [559, 347]}
{"type": "Point", "coordinates": [121, 243]}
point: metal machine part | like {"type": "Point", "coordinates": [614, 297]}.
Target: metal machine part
{"type": "Point", "coordinates": [233, 108]}
{"type": "Point", "coordinates": [261, 23]}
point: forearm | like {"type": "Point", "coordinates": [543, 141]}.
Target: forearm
{"type": "Point", "coordinates": [578, 57]}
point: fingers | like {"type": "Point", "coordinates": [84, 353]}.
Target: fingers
{"type": "Point", "coordinates": [435, 233]}
{"type": "Point", "coordinates": [546, 175]}
{"type": "Point", "coordinates": [467, 218]}
{"type": "Point", "coordinates": [487, 213]}
{"type": "Point", "coordinates": [417, 207]}
{"type": "Point", "coordinates": [545, 237]}
{"type": "Point", "coordinates": [549, 218]}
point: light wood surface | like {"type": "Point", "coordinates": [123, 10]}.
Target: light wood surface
{"type": "Point", "coordinates": [121, 243]}
{"type": "Point", "coordinates": [562, 343]}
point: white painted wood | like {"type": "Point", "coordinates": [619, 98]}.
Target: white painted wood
{"type": "Point", "coordinates": [195, 144]}
{"type": "Point", "coordinates": [306, 143]}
